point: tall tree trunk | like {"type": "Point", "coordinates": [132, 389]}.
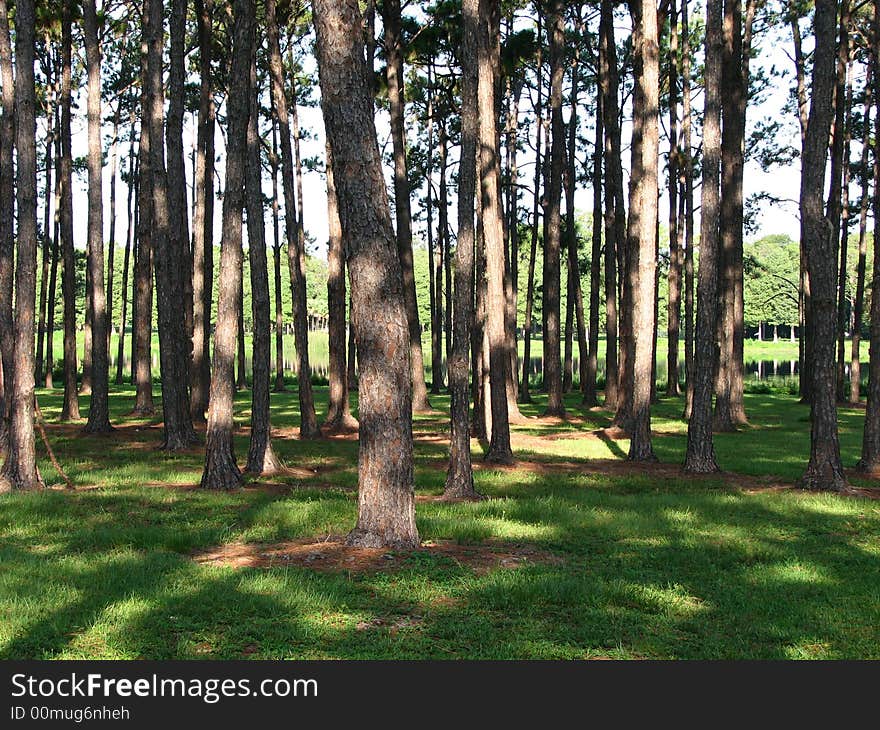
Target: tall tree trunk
{"type": "Point", "coordinates": [99, 413]}
{"type": "Point", "coordinates": [700, 456]}
{"type": "Point", "coordinates": [169, 244]}
{"type": "Point", "coordinates": [308, 421]}
{"type": "Point", "coordinates": [241, 382]}
{"type": "Point", "coordinates": [824, 470]}
{"type": "Point", "coordinates": [870, 459]}
{"type": "Point", "coordinates": [221, 470]}
{"type": "Point", "coordinates": [588, 386]}
{"type": "Point", "coordinates": [261, 457]}
{"type": "Point", "coordinates": [435, 256]}
{"type": "Point", "coordinates": [444, 237]}
{"type": "Point", "coordinates": [844, 241]}
{"type": "Point", "coordinates": [615, 215]}
{"type": "Point", "coordinates": [459, 477]}
{"type": "Point", "coordinates": [203, 222]}
{"type": "Point", "coordinates": [855, 374]}
{"type": "Point", "coordinates": [552, 241]}
{"type": "Point", "coordinates": [686, 205]}
{"type": "Point", "coordinates": [339, 418]}
{"type": "Point", "coordinates": [394, 70]}
{"type": "Point", "coordinates": [511, 269]}
{"type": "Point", "coordinates": [70, 407]}
{"type": "Point", "coordinates": [47, 238]}
{"type": "Point", "coordinates": [493, 234]}
{"type": "Point", "coordinates": [7, 222]}
{"type": "Point", "coordinates": [276, 261]}
{"type": "Point", "coordinates": [20, 468]}
{"type": "Point", "coordinates": [120, 352]}
{"type": "Point", "coordinates": [111, 244]}
{"type": "Point", "coordinates": [673, 317]}
{"type": "Point", "coordinates": [644, 283]}
{"type": "Point", "coordinates": [386, 509]}
{"type": "Point", "coordinates": [53, 275]}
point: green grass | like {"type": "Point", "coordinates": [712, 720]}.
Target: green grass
{"type": "Point", "coordinates": [647, 564]}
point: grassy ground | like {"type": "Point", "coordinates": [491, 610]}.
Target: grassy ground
{"type": "Point", "coordinates": [640, 562]}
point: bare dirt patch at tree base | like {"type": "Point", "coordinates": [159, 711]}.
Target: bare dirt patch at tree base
{"type": "Point", "coordinates": [334, 556]}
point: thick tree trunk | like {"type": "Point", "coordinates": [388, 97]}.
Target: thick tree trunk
{"type": "Point", "coordinates": [169, 245]}
{"type": "Point", "coordinates": [855, 374]}
{"type": "Point", "coordinates": [261, 457]}
{"type": "Point", "coordinates": [339, 418]}
{"type": "Point", "coordinates": [20, 468]}
{"type": "Point", "coordinates": [386, 509]}
{"type": "Point", "coordinates": [394, 72]}
{"type": "Point", "coordinates": [7, 222]}
{"type": "Point", "coordinates": [459, 477]}
{"type": "Point", "coordinates": [553, 227]}
{"type": "Point", "coordinates": [221, 470]}
{"type": "Point", "coordinates": [615, 215]}
{"type": "Point", "coordinates": [493, 235]}
{"type": "Point", "coordinates": [203, 223]}
{"type": "Point", "coordinates": [295, 256]}
{"type": "Point", "coordinates": [700, 456]}
{"type": "Point", "coordinates": [824, 470]}
{"type": "Point", "coordinates": [644, 283]}
{"type": "Point", "coordinates": [70, 407]}
{"type": "Point", "coordinates": [99, 414]}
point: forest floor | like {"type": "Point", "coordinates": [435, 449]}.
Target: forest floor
{"type": "Point", "coordinates": [575, 553]}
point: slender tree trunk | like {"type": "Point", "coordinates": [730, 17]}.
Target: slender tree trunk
{"type": "Point", "coordinates": [686, 189]}
{"type": "Point", "coordinates": [111, 244]}
{"type": "Point", "coordinates": [700, 456]}
{"type": "Point", "coordinates": [276, 261]}
{"type": "Point", "coordinates": [120, 352]}
{"type": "Point", "coordinates": [339, 418]}
{"type": "Point", "coordinates": [7, 223]}
{"type": "Point", "coordinates": [99, 413]}
{"type": "Point", "coordinates": [644, 284]}
{"type": "Point", "coordinates": [70, 407]}
{"type": "Point", "coordinates": [53, 275]}
{"type": "Point", "coordinates": [20, 468]}
{"type": "Point", "coordinates": [588, 387]}
{"type": "Point", "coordinates": [221, 470]}
{"type": "Point", "coordinates": [824, 470]}
{"type": "Point", "coordinates": [203, 222]}
{"type": "Point", "coordinates": [444, 237]}
{"type": "Point", "coordinates": [615, 215]}
{"type": "Point", "coordinates": [241, 382]}
{"type": "Point", "coordinates": [435, 261]}
{"type": "Point", "coordinates": [47, 242]}
{"type": "Point", "coordinates": [386, 510]}
{"type": "Point", "coordinates": [261, 457]}
{"type": "Point", "coordinates": [511, 269]}
{"type": "Point", "coordinates": [394, 69]}
{"type": "Point", "coordinates": [855, 374]}
{"type": "Point", "coordinates": [673, 317]}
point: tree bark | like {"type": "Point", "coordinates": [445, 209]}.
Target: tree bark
{"type": "Point", "coordinates": [588, 386]}
{"type": "Point", "coordinates": [221, 470]}
{"type": "Point", "coordinates": [394, 71]}
{"type": "Point", "coordinates": [53, 276]}
{"type": "Point", "coordinates": [673, 317]}
{"type": "Point", "coordinates": [99, 414]}
{"type": "Point", "coordinates": [7, 223]}
{"type": "Point", "coordinates": [824, 470]}
{"type": "Point", "coordinates": [700, 456]}
{"type": "Point", "coordinates": [686, 189]}
{"type": "Point", "coordinates": [47, 238]}
{"type": "Point", "coordinates": [276, 260]}
{"type": "Point", "coordinates": [19, 471]}
{"type": "Point", "coordinates": [386, 509]}
{"type": "Point", "coordinates": [120, 352]}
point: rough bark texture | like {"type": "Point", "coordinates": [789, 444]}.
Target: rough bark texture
{"type": "Point", "coordinates": [221, 470]}
{"type": "Point", "coordinates": [844, 241]}
{"type": "Point", "coordinates": [615, 215]}
{"type": "Point", "coordinates": [824, 470]}
{"type": "Point", "coordinates": [686, 190]}
{"type": "Point", "coordinates": [386, 502]}
{"type": "Point", "coordinates": [700, 456]}
{"type": "Point", "coordinates": [459, 477]}
{"type": "Point", "coordinates": [493, 236]}
{"type": "Point", "coordinates": [56, 253]}
{"type": "Point", "coordinates": [588, 385]}
{"type": "Point", "coordinates": [203, 223]}
{"type": "Point", "coordinates": [553, 227]}
{"type": "Point", "coordinates": [308, 421]}
{"type": "Point", "coordinates": [70, 407]}
{"type": "Point", "coordinates": [276, 259]}
{"type": "Point", "coordinates": [870, 460]}
{"type": "Point", "coordinates": [673, 317]}
{"type": "Point", "coordinates": [403, 215]}
{"type": "Point", "coordinates": [339, 418]}
{"type": "Point", "coordinates": [644, 285]}
{"type": "Point", "coordinates": [20, 468]}
{"type": "Point", "coordinates": [126, 264]}
{"type": "Point", "coordinates": [99, 414]}
{"type": "Point", "coordinates": [7, 221]}
{"type": "Point", "coordinates": [261, 458]}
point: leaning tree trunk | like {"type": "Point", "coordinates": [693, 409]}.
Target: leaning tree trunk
{"type": "Point", "coordinates": [386, 502]}
{"type": "Point", "coordinates": [261, 457]}
{"type": "Point", "coordinates": [221, 470]}
{"type": "Point", "coordinates": [700, 456]}
{"type": "Point", "coordinates": [493, 235]}
{"type": "Point", "coordinates": [824, 470]}
{"type": "Point", "coordinates": [203, 223]}
{"type": "Point", "coordinates": [308, 421]}
{"type": "Point", "coordinates": [644, 285]}
{"type": "Point", "coordinates": [394, 70]}
{"type": "Point", "coordinates": [70, 407]}
{"type": "Point", "coordinates": [99, 414]}
{"type": "Point", "coordinates": [20, 468]}
{"type": "Point", "coordinates": [7, 221]}
{"type": "Point", "coordinates": [459, 477]}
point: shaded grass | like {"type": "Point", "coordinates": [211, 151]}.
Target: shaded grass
{"type": "Point", "coordinates": [650, 566]}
